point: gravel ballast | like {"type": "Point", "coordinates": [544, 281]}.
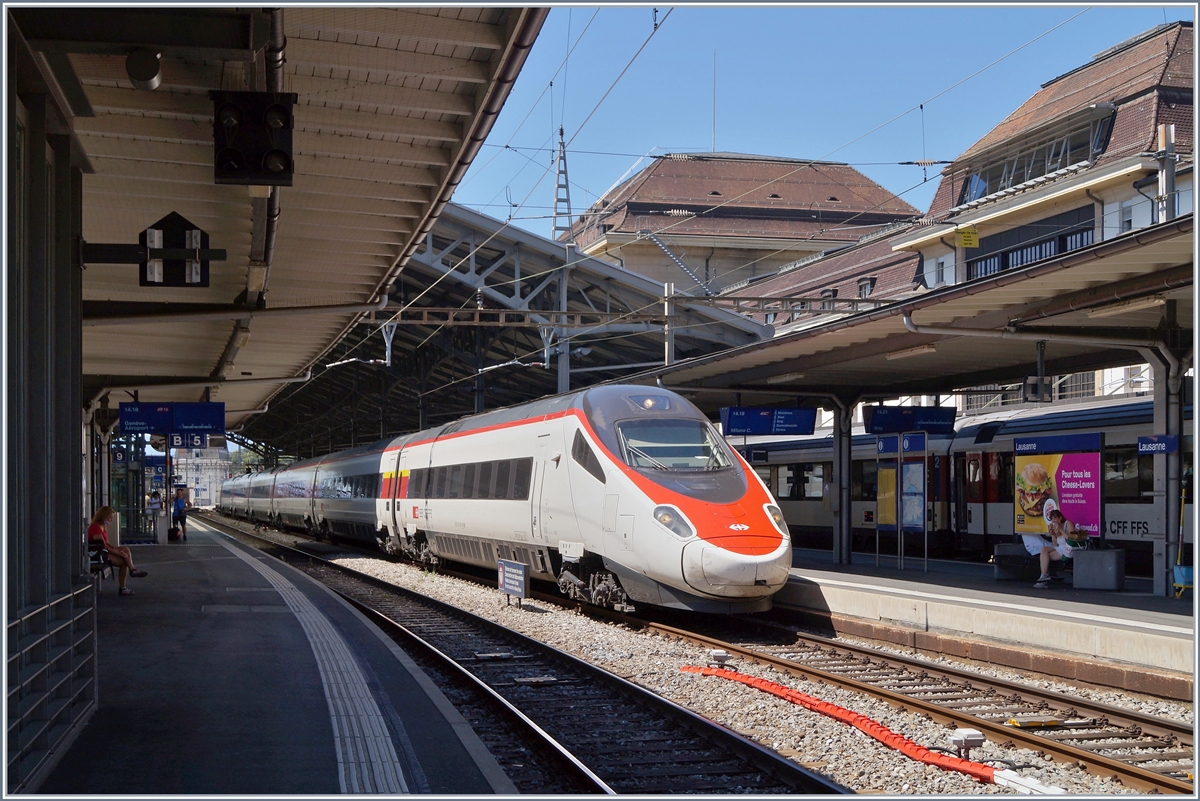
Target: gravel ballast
{"type": "Point", "coordinates": [841, 752]}
{"type": "Point", "coordinates": [836, 750]}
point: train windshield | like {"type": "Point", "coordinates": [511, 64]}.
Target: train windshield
{"type": "Point", "coordinates": [672, 445]}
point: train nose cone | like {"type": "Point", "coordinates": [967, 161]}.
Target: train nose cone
{"type": "Point", "coordinates": [714, 570]}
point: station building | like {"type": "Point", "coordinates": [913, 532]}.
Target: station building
{"type": "Point", "coordinates": [1080, 162]}
{"type": "Point", "coordinates": [706, 221]}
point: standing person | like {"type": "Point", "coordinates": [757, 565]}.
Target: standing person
{"type": "Point", "coordinates": [179, 509]}
{"type": "Point", "coordinates": [119, 555]}
{"type": "Point", "coordinates": [155, 508]}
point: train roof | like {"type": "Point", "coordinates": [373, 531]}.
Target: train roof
{"type": "Point", "coordinates": [984, 429]}
{"type": "Point", "coordinates": [1112, 413]}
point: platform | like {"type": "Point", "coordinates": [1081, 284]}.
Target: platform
{"type": "Point", "coordinates": [231, 673]}
{"type": "Point", "coordinates": [1009, 622]}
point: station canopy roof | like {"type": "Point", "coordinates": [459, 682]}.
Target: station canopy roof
{"type": "Point", "coordinates": [392, 106]}
{"type": "Point", "coordinates": [471, 268]}
{"type": "Point", "coordinates": [1094, 307]}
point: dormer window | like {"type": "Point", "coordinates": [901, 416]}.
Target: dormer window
{"type": "Point", "coordinates": [1037, 155]}
{"type": "Point", "coordinates": [833, 199]}
{"type": "Point", "coordinates": [829, 295]}
{"type": "Point", "coordinates": [714, 193]}
{"type": "Point", "coordinates": [773, 196]}
{"type": "Point", "coordinates": [866, 286]}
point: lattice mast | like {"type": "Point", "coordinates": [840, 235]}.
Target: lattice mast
{"type": "Point", "coordinates": [562, 193]}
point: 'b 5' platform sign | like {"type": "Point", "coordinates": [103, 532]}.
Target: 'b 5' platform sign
{"type": "Point", "coordinates": [189, 440]}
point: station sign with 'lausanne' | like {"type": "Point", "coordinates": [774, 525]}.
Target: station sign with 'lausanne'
{"type": "Point", "coordinates": [1160, 443]}
{"type": "Point", "coordinates": [746, 420]}
{"type": "Point", "coordinates": [172, 418]}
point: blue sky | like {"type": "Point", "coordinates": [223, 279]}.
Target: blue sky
{"type": "Point", "coordinates": [800, 82]}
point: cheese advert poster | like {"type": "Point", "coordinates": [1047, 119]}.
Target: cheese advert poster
{"type": "Point", "coordinates": [1069, 482]}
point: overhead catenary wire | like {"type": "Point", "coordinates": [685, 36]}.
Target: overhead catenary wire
{"type": "Point", "coordinates": [427, 289]}
{"type": "Point", "coordinates": [811, 162]}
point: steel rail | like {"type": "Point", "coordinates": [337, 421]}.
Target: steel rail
{"type": "Point", "coordinates": [1129, 775]}
{"type": "Point", "coordinates": [761, 758]}
{"type": "Point", "coordinates": [1149, 724]}
{"type": "Point", "coordinates": [535, 732]}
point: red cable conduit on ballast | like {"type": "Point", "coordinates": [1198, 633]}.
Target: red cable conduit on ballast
{"type": "Point", "coordinates": [976, 770]}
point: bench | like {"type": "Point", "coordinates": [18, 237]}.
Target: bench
{"type": "Point", "coordinates": [98, 562]}
{"type": "Point", "coordinates": [1012, 562]}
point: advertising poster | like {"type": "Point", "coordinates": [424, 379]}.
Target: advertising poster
{"type": "Point", "coordinates": [1069, 482]}
{"type": "Point", "coordinates": [913, 506]}
{"type": "Point", "coordinates": [885, 498]}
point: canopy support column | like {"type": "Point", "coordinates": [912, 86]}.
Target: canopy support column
{"type": "Point", "coordinates": [843, 531]}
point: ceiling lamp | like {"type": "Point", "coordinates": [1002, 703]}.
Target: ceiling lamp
{"type": "Point", "coordinates": [1128, 306]}
{"type": "Point", "coordinates": [904, 354]}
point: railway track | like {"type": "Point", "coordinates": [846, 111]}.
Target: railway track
{"type": "Point", "coordinates": [600, 732]}
{"type": "Point", "coordinates": [1146, 753]}
{"type": "Point", "coordinates": [1143, 752]}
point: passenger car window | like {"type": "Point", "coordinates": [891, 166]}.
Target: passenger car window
{"type": "Point", "coordinates": [521, 479]}
{"type": "Point", "coordinates": [503, 474]}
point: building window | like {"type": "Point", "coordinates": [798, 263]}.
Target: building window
{"type": "Point", "coordinates": [866, 286]}
{"type": "Point", "coordinates": [1126, 216]}
{"type": "Point", "coordinates": [1076, 385]}
{"type": "Point", "coordinates": [939, 272]}
{"type": "Point", "coordinates": [1034, 242]}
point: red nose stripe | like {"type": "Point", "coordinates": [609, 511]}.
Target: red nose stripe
{"type": "Point", "coordinates": [748, 543]}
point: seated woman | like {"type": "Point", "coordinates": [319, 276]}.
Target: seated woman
{"type": "Point", "coordinates": [119, 555]}
{"type": "Point", "coordinates": [1052, 547]}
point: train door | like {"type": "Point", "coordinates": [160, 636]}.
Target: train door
{"type": "Point", "coordinates": [557, 518]}
{"type": "Point", "coordinates": [537, 489]}
{"type": "Point", "coordinates": [399, 492]}
{"type": "Point", "coordinates": [976, 508]}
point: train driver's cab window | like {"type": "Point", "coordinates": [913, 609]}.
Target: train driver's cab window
{"type": "Point", "coordinates": [974, 480]}
{"type": "Point", "coordinates": [672, 445]}
{"type": "Point", "coordinates": [812, 480]}
{"type": "Point", "coordinates": [583, 454]}
{"type": "Point", "coordinates": [1128, 478]}
{"type": "Point", "coordinates": [864, 480]}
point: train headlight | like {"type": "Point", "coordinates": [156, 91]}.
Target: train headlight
{"type": "Point", "coordinates": [776, 516]}
{"type": "Point", "coordinates": [673, 521]}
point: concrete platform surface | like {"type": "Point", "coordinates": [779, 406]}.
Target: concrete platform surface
{"type": "Point", "coordinates": [230, 673]}
{"type": "Point", "coordinates": [1130, 627]}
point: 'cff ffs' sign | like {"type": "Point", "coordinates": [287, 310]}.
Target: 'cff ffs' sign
{"type": "Point", "coordinates": [513, 578]}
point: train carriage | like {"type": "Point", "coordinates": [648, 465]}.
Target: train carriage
{"type": "Point", "coordinates": [344, 491]}
{"type": "Point", "coordinates": [972, 481]}
{"type": "Point", "coordinates": [260, 492]}
{"type": "Point", "coordinates": [621, 494]}
{"type": "Point", "coordinates": [292, 502]}
{"type": "Point", "coordinates": [235, 496]}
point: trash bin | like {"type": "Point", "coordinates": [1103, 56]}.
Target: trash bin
{"type": "Point", "coordinates": [1100, 570]}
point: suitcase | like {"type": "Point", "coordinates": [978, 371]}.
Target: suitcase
{"type": "Point", "coordinates": [173, 534]}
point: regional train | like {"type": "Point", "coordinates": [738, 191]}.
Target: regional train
{"type": "Point", "coordinates": [971, 482]}
{"type": "Point", "coordinates": [620, 494]}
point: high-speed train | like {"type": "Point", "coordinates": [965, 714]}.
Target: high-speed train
{"type": "Point", "coordinates": [621, 494]}
{"type": "Point", "coordinates": [971, 481]}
